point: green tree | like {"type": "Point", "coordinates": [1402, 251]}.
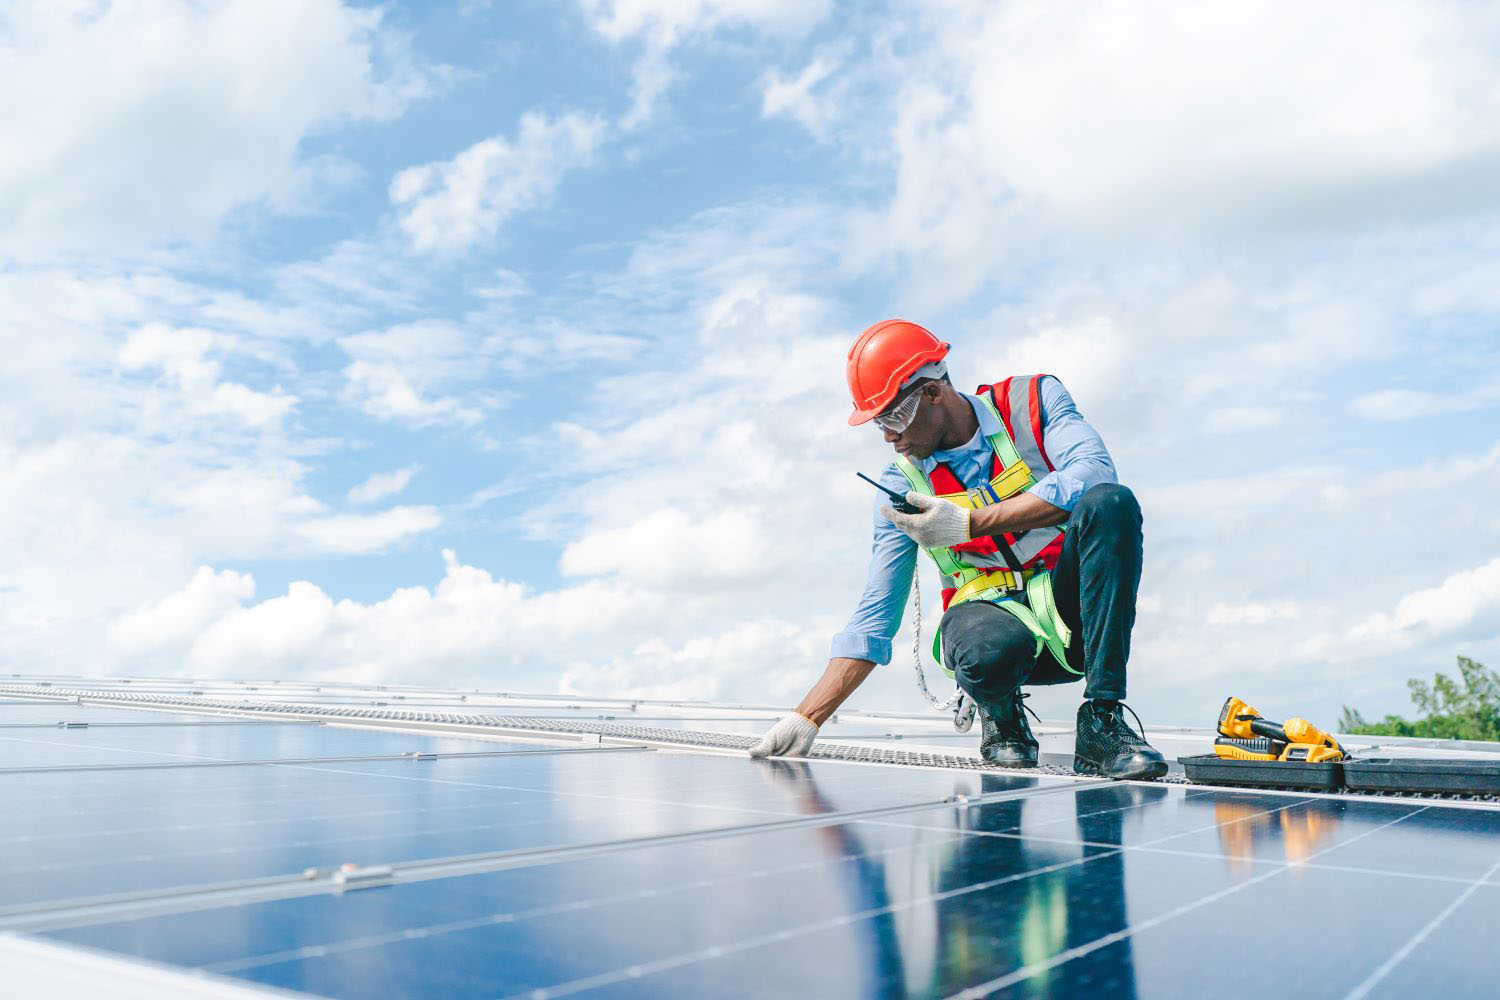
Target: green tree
{"type": "Point", "coordinates": [1462, 708]}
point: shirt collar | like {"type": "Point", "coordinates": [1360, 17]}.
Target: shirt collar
{"type": "Point", "coordinates": [979, 442]}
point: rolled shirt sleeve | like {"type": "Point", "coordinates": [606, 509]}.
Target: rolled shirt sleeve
{"type": "Point", "coordinates": [1077, 451]}
{"type": "Point", "coordinates": [893, 559]}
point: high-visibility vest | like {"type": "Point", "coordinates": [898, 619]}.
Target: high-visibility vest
{"type": "Point", "coordinates": [978, 569]}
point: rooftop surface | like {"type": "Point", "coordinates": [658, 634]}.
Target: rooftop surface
{"type": "Point", "coordinates": [169, 837]}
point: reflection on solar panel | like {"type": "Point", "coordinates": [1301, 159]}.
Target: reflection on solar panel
{"type": "Point", "coordinates": [353, 841]}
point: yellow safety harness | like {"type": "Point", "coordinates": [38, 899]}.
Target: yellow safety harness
{"type": "Point", "coordinates": [1026, 594]}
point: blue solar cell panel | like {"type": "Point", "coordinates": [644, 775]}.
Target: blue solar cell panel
{"type": "Point", "coordinates": [777, 879]}
{"type": "Point", "coordinates": [1053, 893]}
{"type": "Point", "coordinates": [1454, 957]}
{"type": "Point", "coordinates": [132, 830]}
{"type": "Point", "coordinates": [137, 745]}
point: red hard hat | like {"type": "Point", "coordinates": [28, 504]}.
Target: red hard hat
{"type": "Point", "coordinates": [881, 359]}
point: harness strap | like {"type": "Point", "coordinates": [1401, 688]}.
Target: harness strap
{"type": "Point", "coordinates": [1000, 579]}
{"type": "Point", "coordinates": [1038, 612]}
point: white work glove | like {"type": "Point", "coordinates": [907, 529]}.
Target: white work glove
{"type": "Point", "coordinates": [940, 523]}
{"type": "Point", "coordinates": [792, 736]}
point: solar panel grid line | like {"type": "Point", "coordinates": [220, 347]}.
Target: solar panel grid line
{"type": "Point", "coordinates": [999, 983]}
{"type": "Point", "coordinates": [345, 840]}
{"type": "Point", "coordinates": [572, 906]}
{"type": "Point", "coordinates": [98, 795]}
{"type": "Point", "coordinates": [230, 745]}
{"type": "Point", "coordinates": [95, 746]}
{"type": "Point", "coordinates": [242, 822]}
{"type": "Point", "coordinates": [415, 756]}
{"type": "Point", "coordinates": [53, 915]}
{"type": "Point", "coordinates": [640, 970]}
{"type": "Point", "coordinates": [161, 725]}
{"type": "Point", "coordinates": [325, 948]}
{"type": "Point", "coordinates": [610, 797]}
{"type": "Point", "coordinates": [1178, 852]}
{"type": "Point", "coordinates": [329, 948]}
{"type": "Point", "coordinates": [643, 969]}
{"type": "Point", "coordinates": [650, 807]}
{"type": "Point", "coordinates": [528, 789]}
{"type": "Point", "coordinates": [1405, 951]}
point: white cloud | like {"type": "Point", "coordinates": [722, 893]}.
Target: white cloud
{"type": "Point", "coordinates": [454, 204]}
{"type": "Point", "coordinates": [1460, 600]}
{"type": "Point", "coordinates": [1191, 109]}
{"type": "Point", "coordinates": [153, 425]}
{"type": "Point", "coordinates": [1412, 404]}
{"type": "Point", "coordinates": [133, 124]}
{"type": "Point", "coordinates": [659, 26]}
{"type": "Point", "coordinates": [470, 624]}
{"type": "Point", "coordinates": [796, 97]}
{"type": "Point", "coordinates": [1132, 123]}
{"type": "Point", "coordinates": [470, 627]}
{"type": "Point", "coordinates": [401, 373]}
{"type": "Point", "coordinates": [383, 484]}
{"type": "Point", "coordinates": [668, 549]}
{"type": "Point", "coordinates": [694, 474]}
{"type": "Point", "coordinates": [1253, 612]}
{"type": "Point", "coordinates": [386, 392]}
{"type": "Point", "coordinates": [709, 666]}
{"type": "Point", "coordinates": [1244, 418]}
{"type": "Point", "coordinates": [351, 534]}
{"type": "Point", "coordinates": [182, 356]}
{"type": "Point", "coordinates": [177, 619]}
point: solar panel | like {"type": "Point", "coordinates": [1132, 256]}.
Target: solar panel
{"type": "Point", "coordinates": [577, 863]}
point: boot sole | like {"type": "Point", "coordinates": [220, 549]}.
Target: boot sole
{"type": "Point", "coordinates": [1008, 763]}
{"type": "Point", "coordinates": [1146, 772]}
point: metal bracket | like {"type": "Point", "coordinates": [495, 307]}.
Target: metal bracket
{"type": "Point", "coordinates": [963, 713]}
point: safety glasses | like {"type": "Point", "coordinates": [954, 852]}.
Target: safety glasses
{"type": "Point", "coordinates": [900, 415]}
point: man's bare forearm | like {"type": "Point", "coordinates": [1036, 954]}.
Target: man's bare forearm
{"type": "Point", "coordinates": [840, 678]}
{"type": "Point", "coordinates": [1020, 513]}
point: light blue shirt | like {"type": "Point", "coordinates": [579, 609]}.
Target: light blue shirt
{"type": "Point", "coordinates": [1081, 461]}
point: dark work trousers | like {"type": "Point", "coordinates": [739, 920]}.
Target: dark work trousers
{"type": "Point", "coordinates": [992, 653]}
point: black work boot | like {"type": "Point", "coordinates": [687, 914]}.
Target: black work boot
{"type": "Point", "coordinates": [1104, 743]}
{"type": "Point", "coordinates": [1006, 737]}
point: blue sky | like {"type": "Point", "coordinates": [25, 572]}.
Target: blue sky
{"type": "Point", "coordinates": [502, 344]}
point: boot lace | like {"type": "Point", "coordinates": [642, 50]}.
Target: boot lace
{"type": "Point", "coordinates": [1017, 726]}
{"type": "Point", "coordinates": [1114, 731]}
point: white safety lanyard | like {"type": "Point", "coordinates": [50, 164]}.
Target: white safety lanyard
{"type": "Point", "coordinates": [959, 701]}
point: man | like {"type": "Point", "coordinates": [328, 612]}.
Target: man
{"type": "Point", "coordinates": [1017, 502]}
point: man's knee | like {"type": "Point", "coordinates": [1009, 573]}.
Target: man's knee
{"type": "Point", "coordinates": [1108, 504]}
{"type": "Point", "coordinates": [986, 647]}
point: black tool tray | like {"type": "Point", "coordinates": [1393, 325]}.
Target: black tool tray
{"type": "Point", "coordinates": [1211, 769]}
{"type": "Point", "coordinates": [1444, 775]}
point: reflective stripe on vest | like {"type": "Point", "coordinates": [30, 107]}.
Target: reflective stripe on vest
{"type": "Point", "coordinates": [1017, 402]}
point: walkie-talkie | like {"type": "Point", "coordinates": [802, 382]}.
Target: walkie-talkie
{"type": "Point", "coordinates": [898, 500]}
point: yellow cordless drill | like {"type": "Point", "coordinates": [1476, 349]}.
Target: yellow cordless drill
{"type": "Point", "coordinates": [1245, 735]}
